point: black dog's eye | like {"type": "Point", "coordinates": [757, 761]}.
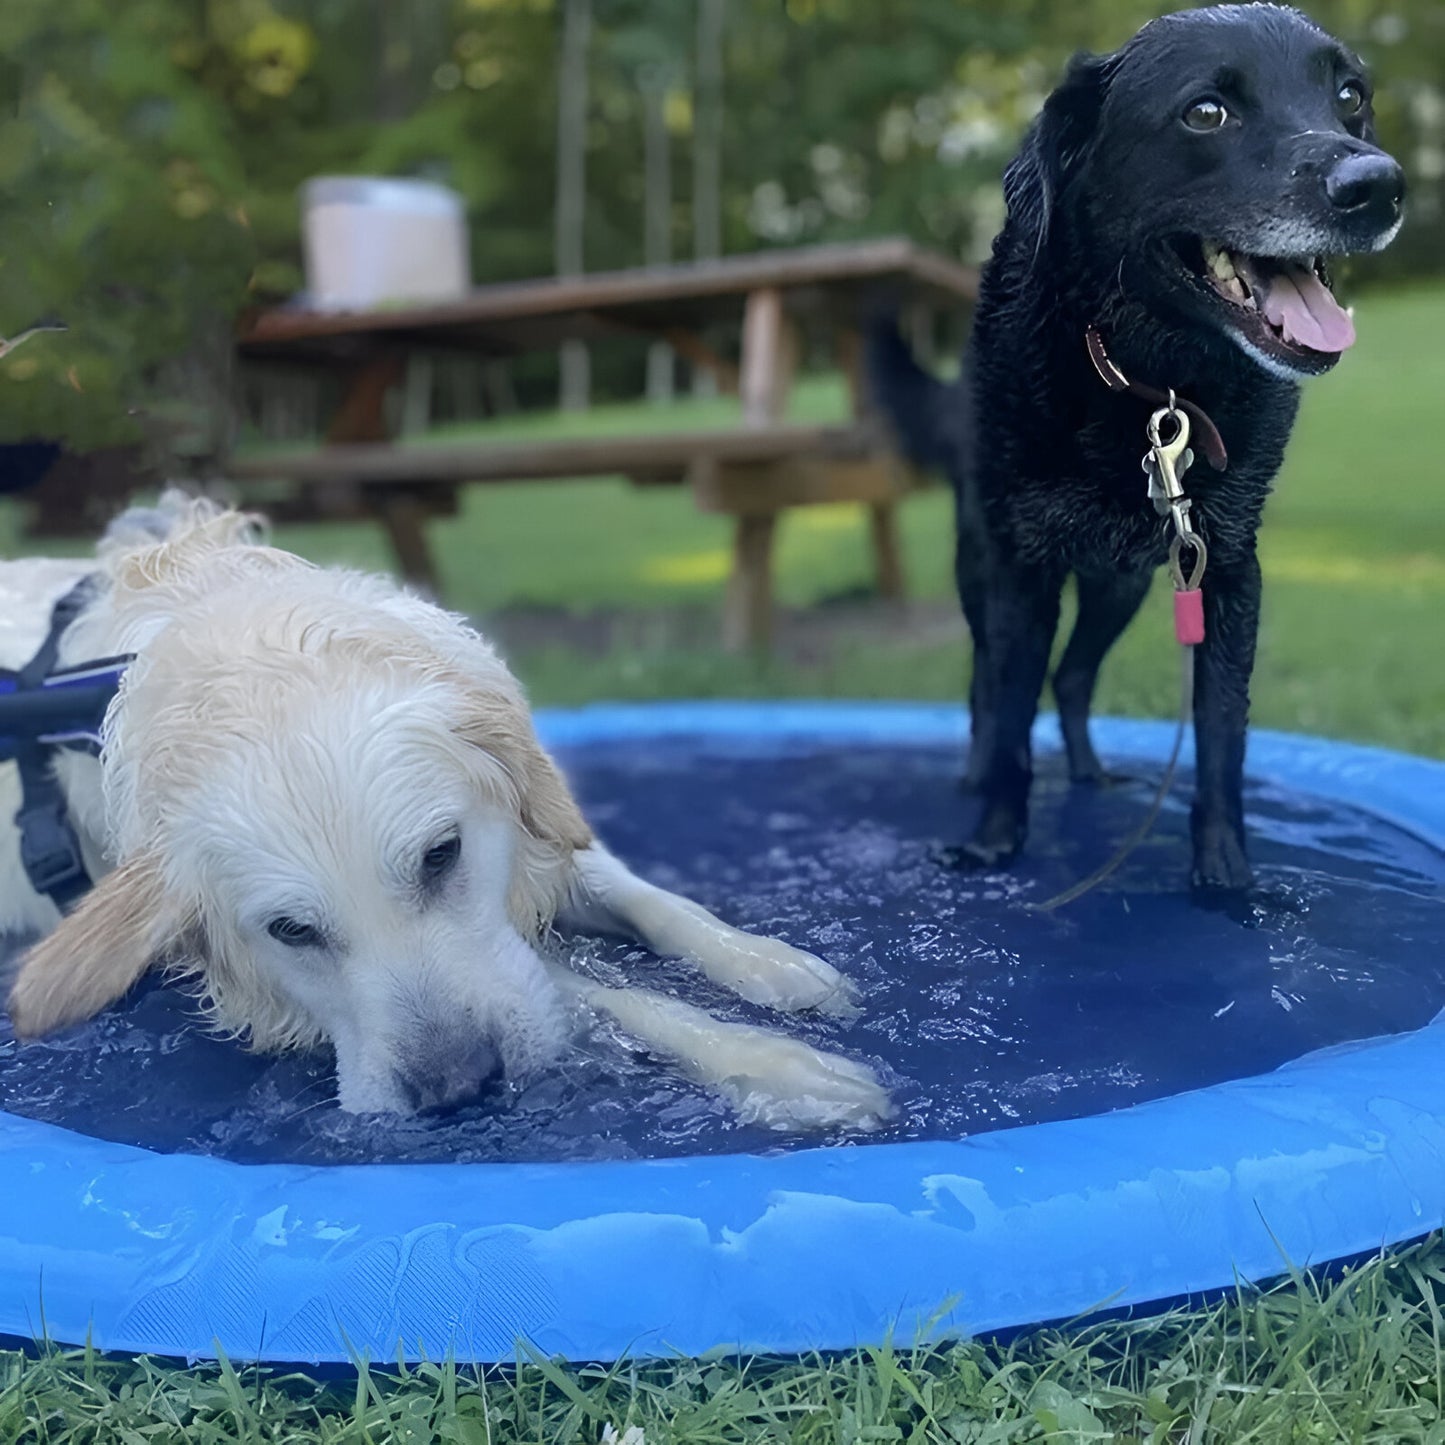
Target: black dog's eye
{"type": "Point", "coordinates": [293, 933]}
{"type": "Point", "coordinates": [1349, 99]}
{"type": "Point", "coordinates": [438, 861]}
{"type": "Point", "coordinates": [1205, 115]}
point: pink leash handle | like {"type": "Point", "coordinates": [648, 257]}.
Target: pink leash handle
{"type": "Point", "coordinates": [1189, 617]}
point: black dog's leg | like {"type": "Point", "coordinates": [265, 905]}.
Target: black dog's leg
{"type": "Point", "coordinates": [970, 570]}
{"type": "Point", "coordinates": [1222, 667]}
{"type": "Point", "coordinates": [1023, 613]}
{"type": "Point", "coordinates": [1107, 604]}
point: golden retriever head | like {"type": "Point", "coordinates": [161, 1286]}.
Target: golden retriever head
{"type": "Point", "coordinates": [330, 806]}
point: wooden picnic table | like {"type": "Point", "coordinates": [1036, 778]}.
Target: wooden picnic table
{"type": "Point", "coordinates": [752, 471]}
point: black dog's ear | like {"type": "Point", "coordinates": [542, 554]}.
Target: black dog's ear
{"type": "Point", "coordinates": [1056, 143]}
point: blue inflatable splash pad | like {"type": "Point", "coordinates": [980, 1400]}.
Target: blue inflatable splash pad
{"type": "Point", "coordinates": [1129, 1101]}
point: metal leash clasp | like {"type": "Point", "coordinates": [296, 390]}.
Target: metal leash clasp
{"type": "Point", "coordinates": [1165, 464]}
{"type": "Point", "coordinates": [1166, 461]}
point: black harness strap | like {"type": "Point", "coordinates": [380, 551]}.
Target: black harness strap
{"type": "Point", "coordinates": [49, 848]}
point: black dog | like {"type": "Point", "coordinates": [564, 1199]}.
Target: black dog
{"type": "Point", "coordinates": [1178, 198]}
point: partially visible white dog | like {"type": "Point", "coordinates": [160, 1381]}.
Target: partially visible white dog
{"type": "Point", "coordinates": [324, 799]}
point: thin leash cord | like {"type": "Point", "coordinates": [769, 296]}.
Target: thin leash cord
{"type": "Point", "coordinates": [1085, 885]}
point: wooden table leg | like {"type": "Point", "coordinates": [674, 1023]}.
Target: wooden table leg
{"type": "Point", "coordinates": [404, 518]}
{"type": "Point", "coordinates": [361, 417]}
{"type": "Point", "coordinates": [695, 350]}
{"type": "Point", "coordinates": [852, 360]}
{"type": "Point", "coordinates": [770, 357]}
{"type": "Point", "coordinates": [748, 608]}
{"type": "Point", "coordinates": [887, 553]}
{"type": "Point", "coordinates": [765, 379]}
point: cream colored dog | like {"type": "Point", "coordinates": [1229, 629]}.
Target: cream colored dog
{"type": "Point", "coordinates": [325, 801]}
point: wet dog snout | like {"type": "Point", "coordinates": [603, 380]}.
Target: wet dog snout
{"type": "Point", "coordinates": [453, 1076]}
{"type": "Point", "coordinates": [1367, 186]}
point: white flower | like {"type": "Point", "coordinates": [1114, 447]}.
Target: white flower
{"type": "Point", "coordinates": [632, 1435]}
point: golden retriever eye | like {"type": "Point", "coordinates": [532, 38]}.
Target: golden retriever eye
{"type": "Point", "coordinates": [293, 933]}
{"type": "Point", "coordinates": [438, 861]}
{"type": "Point", "coordinates": [1349, 100]}
{"type": "Point", "coordinates": [1205, 115]}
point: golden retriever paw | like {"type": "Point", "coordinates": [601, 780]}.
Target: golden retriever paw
{"type": "Point", "coordinates": [790, 1086]}
{"type": "Point", "coordinates": [776, 975]}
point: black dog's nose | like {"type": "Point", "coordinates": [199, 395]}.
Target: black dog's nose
{"type": "Point", "coordinates": [1367, 185]}
{"type": "Point", "coordinates": [452, 1076]}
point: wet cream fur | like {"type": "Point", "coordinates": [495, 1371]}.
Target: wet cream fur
{"type": "Point", "coordinates": [290, 744]}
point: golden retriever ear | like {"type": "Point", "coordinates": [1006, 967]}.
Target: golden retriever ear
{"type": "Point", "coordinates": [549, 810]}
{"type": "Point", "coordinates": [501, 726]}
{"type": "Point", "coordinates": [97, 952]}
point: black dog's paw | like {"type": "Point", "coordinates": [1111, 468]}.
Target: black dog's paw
{"type": "Point", "coordinates": [1220, 866]}
{"type": "Point", "coordinates": [1098, 776]}
{"type": "Point", "coordinates": [1235, 904]}
{"type": "Point", "coordinates": [994, 845]}
{"type": "Point", "coordinates": [1253, 907]}
{"type": "Point", "coordinates": [972, 857]}
{"type": "Point", "coordinates": [1085, 769]}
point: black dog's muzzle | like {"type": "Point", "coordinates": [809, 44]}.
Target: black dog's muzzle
{"type": "Point", "coordinates": [1367, 189]}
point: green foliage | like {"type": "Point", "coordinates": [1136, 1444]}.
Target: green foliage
{"type": "Point", "coordinates": [151, 151]}
{"type": "Point", "coordinates": [117, 210]}
{"type": "Point", "coordinates": [150, 155]}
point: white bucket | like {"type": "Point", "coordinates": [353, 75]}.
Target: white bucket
{"type": "Point", "coordinates": [373, 242]}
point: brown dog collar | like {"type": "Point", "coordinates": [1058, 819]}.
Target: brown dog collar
{"type": "Point", "coordinates": [1210, 442]}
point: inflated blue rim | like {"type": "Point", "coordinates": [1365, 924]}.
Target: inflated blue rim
{"type": "Point", "coordinates": [1335, 1154]}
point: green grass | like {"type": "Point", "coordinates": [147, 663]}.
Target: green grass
{"type": "Point", "coordinates": [1357, 1359]}
{"type": "Point", "coordinates": [601, 543]}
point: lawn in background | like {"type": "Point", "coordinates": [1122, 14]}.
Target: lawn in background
{"type": "Point", "coordinates": [1353, 552]}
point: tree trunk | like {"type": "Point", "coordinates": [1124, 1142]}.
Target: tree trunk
{"type": "Point", "coordinates": [572, 182]}
{"type": "Point", "coordinates": [657, 209]}
{"type": "Point", "coordinates": [707, 150]}
{"type": "Point", "coordinates": [707, 132]}
{"type": "Point", "coordinates": [391, 60]}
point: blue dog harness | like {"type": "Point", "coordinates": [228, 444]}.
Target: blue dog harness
{"type": "Point", "coordinates": [43, 709]}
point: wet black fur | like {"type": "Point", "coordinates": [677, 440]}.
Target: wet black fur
{"type": "Point", "coordinates": [1045, 460]}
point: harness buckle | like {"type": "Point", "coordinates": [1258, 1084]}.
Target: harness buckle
{"type": "Point", "coordinates": [50, 853]}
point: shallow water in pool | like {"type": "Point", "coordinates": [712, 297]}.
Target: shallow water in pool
{"type": "Point", "coordinates": [980, 1013]}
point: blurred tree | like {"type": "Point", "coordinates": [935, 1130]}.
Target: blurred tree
{"type": "Point", "coordinates": [571, 208]}
{"type": "Point", "coordinates": [150, 155]}
{"type": "Point", "coordinates": [150, 151]}
{"type": "Point", "coordinates": [121, 199]}
{"type": "Point", "coordinates": [846, 117]}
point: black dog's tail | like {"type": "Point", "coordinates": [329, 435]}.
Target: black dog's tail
{"type": "Point", "coordinates": [914, 400]}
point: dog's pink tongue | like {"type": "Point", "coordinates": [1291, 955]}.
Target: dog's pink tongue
{"type": "Point", "coordinates": [1301, 305]}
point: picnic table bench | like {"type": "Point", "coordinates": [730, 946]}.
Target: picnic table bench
{"type": "Point", "coordinates": [752, 471]}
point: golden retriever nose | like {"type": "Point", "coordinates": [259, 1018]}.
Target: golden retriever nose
{"type": "Point", "coordinates": [455, 1076]}
{"type": "Point", "coordinates": [1369, 183]}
